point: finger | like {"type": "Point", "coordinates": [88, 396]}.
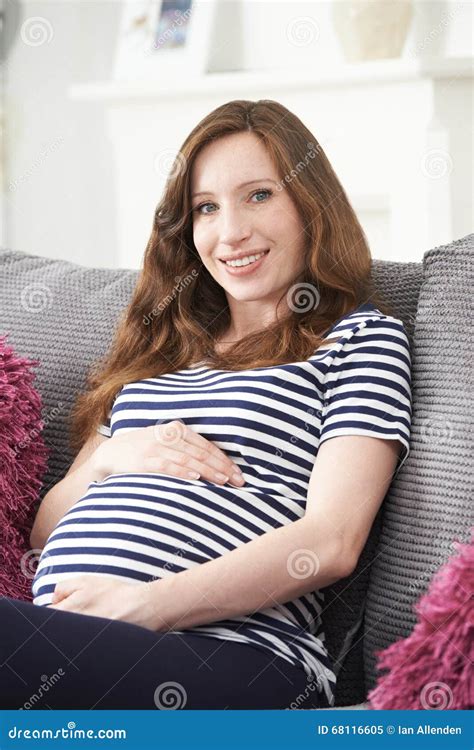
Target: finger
{"type": "Point", "coordinates": [213, 454]}
{"type": "Point", "coordinates": [181, 464]}
{"type": "Point", "coordinates": [181, 437]}
{"type": "Point", "coordinates": [58, 596]}
{"type": "Point", "coordinates": [65, 588]}
{"type": "Point", "coordinates": [164, 465]}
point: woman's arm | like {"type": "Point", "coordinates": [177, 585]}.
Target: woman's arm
{"type": "Point", "coordinates": [62, 496]}
{"type": "Point", "coordinates": [278, 566]}
{"type": "Point", "coordinates": [350, 478]}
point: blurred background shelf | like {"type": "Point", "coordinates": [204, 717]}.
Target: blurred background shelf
{"type": "Point", "coordinates": [392, 130]}
{"type": "Point", "coordinates": [276, 80]}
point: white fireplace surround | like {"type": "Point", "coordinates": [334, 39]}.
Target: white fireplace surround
{"type": "Point", "coordinates": [397, 132]}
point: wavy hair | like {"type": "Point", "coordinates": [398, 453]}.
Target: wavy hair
{"type": "Point", "coordinates": [178, 311]}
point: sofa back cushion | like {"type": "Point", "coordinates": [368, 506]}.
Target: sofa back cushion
{"type": "Point", "coordinates": [343, 617]}
{"type": "Point", "coordinates": [63, 315]}
{"type": "Point", "coordinates": [430, 501]}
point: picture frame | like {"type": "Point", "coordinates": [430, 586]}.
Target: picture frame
{"type": "Point", "coordinates": [162, 39]}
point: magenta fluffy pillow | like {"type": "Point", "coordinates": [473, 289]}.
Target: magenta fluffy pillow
{"type": "Point", "coordinates": [432, 668]}
{"type": "Point", "coordinates": [23, 461]}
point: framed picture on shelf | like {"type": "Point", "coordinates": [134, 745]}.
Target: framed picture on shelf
{"type": "Point", "coordinates": [160, 39]}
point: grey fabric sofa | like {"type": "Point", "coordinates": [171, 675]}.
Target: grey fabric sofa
{"type": "Point", "coordinates": [64, 314]}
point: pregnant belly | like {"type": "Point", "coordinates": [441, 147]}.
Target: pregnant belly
{"type": "Point", "coordinates": [130, 528]}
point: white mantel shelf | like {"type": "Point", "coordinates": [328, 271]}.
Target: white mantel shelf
{"type": "Point", "coordinates": [371, 72]}
{"type": "Point", "coordinates": [396, 132]}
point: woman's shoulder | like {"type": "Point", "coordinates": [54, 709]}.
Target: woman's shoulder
{"type": "Point", "coordinates": [363, 327]}
{"type": "Point", "coordinates": [367, 315]}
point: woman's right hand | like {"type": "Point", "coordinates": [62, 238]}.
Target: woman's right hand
{"type": "Point", "coordinates": [170, 448]}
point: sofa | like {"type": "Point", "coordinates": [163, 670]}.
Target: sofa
{"type": "Point", "coordinates": [63, 314]}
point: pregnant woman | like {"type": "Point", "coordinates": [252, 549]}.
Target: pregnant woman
{"type": "Point", "coordinates": [233, 447]}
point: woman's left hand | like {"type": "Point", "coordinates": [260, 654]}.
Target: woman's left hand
{"type": "Point", "coordinates": [103, 596]}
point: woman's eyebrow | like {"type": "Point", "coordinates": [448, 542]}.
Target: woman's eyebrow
{"type": "Point", "coordinates": [244, 184]}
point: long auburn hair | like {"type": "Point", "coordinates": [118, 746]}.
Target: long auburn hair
{"type": "Point", "coordinates": [178, 311]}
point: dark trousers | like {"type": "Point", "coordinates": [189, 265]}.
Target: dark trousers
{"type": "Point", "coordinates": [51, 659]}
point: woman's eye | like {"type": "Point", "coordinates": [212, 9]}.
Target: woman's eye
{"type": "Point", "coordinates": [264, 191]}
{"type": "Point", "coordinates": [260, 192]}
{"type": "Point", "coordinates": [198, 208]}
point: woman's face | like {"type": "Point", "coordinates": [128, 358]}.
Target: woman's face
{"type": "Point", "coordinates": [241, 212]}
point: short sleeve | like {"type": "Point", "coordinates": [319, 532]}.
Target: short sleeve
{"type": "Point", "coordinates": [104, 429]}
{"type": "Point", "coordinates": [368, 385]}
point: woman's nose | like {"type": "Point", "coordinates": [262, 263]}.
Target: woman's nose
{"type": "Point", "coordinates": [233, 226]}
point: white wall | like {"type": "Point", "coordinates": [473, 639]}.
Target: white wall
{"type": "Point", "coordinates": [59, 201]}
{"type": "Point", "coordinates": [59, 192]}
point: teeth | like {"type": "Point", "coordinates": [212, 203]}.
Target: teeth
{"type": "Point", "coordinates": [244, 261]}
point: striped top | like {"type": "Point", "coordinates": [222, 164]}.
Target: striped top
{"type": "Point", "coordinates": [271, 422]}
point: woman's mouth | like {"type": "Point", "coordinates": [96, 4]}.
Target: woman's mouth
{"type": "Point", "coordinates": [246, 265]}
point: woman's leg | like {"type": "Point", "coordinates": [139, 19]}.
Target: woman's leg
{"type": "Point", "coordinates": [54, 659]}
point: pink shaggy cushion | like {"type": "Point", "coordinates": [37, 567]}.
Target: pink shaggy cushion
{"type": "Point", "coordinates": [431, 669]}
{"type": "Point", "coordinates": [23, 461]}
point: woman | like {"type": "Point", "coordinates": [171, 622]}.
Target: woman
{"type": "Point", "coordinates": [182, 563]}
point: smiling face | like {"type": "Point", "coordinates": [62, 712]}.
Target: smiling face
{"type": "Point", "coordinates": [239, 211]}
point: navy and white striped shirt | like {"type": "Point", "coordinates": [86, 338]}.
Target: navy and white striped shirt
{"type": "Point", "coordinates": [271, 422]}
